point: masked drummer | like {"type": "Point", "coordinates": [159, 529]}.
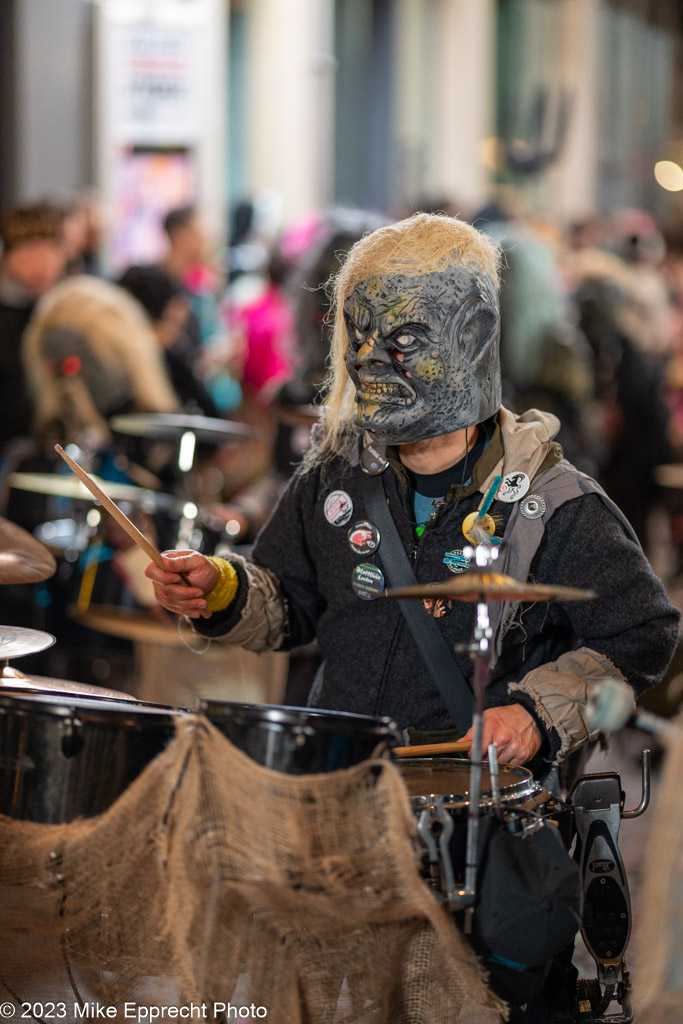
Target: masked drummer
{"type": "Point", "coordinates": [415, 395]}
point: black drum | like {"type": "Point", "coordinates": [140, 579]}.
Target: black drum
{"type": "Point", "coordinates": [63, 757]}
{"type": "Point", "coordinates": [300, 741]}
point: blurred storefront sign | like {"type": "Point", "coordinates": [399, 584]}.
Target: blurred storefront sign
{"type": "Point", "coordinates": [160, 116]}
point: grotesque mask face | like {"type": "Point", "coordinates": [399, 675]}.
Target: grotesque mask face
{"type": "Point", "coordinates": [423, 353]}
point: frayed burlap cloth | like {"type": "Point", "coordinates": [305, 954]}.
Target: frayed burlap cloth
{"type": "Point", "coordinates": [214, 880]}
{"type": "Point", "coordinates": [658, 967]}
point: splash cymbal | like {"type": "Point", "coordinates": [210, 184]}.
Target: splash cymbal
{"type": "Point", "coordinates": [70, 486]}
{"type": "Point", "coordinates": [670, 475]}
{"type": "Point", "coordinates": [299, 415]}
{"type": "Point", "coordinates": [490, 586]}
{"type": "Point", "coordinates": [23, 559]}
{"type": "Point", "coordinates": [171, 426]}
{"type": "Point", "coordinates": [15, 642]}
{"type": "Point", "coordinates": [128, 624]}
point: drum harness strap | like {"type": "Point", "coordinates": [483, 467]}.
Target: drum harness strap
{"type": "Point", "coordinates": [442, 666]}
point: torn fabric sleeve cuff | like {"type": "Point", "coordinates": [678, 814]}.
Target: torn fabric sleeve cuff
{"type": "Point", "coordinates": [560, 691]}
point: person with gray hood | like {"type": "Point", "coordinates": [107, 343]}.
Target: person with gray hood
{"type": "Point", "coordinates": [414, 399]}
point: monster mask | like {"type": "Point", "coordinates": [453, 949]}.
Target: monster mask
{"type": "Point", "coordinates": [423, 353]}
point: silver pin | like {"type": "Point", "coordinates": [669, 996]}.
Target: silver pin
{"type": "Point", "coordinates": [533, 506]}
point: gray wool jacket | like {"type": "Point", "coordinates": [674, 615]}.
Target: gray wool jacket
{"type": "Point", "coordinates": [298, 586]}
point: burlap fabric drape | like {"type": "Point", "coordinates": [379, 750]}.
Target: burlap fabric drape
{"type": "Point", "coordinates": [214, 880]}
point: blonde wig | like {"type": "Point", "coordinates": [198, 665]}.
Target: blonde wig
{"type": "Point", "coordinates": [422, 244]}
{"type": "Point", "coordinates": [114, 327]}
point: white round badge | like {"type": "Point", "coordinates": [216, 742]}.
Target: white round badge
{"type": "Point", "coordinates": [513, 487]}
{"type": "Point", "coordinates": [338, 508]}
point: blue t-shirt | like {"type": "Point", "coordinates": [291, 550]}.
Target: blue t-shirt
{"type": "Point", "coordinates": [429, 489]}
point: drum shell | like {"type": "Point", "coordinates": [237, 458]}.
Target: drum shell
{"type": "Point", "coordinates": [299, 741]}
{"type": "Point", "coordinates": [63, 758]}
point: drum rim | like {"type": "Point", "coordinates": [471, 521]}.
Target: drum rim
{"type": "Point", "coordinates": [286, 714]}
{"type": "Point", "coordinates": [525, 786]}
{"type": "Point", "coordinates": [90, 709]}
{"type": "Point", "coordinates": [37, 691]}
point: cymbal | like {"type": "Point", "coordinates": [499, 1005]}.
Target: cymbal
{"type": "Point", "coordinates": [490, 586]}
{"type": "Point", "coordinates": [670, 475]}
{"type": "Point", "coordinates": [127, 623]}
{"type": "Point", "coordinates": [299, 415]}
{"type": "Point", "coordinates": [70, 486]}
{"type": "Point", "coordinates": [15, 642]}
{"type": "Point", "coordinates": [163, 426]}
{"type": "Point", "coordinates": [11, 682]}
{"type": "Point", "coordinates": [23, 559]}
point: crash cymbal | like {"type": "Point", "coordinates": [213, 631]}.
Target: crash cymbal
{"type": "Point", "coordinates": [127, 623]}
{"type": "Point", "coordinates": [171, 426]}
{"type": "Point", "coordinates": [70, 486]}
{"type": "Point", "coordinates": [15, 642]}
{"type": "Point", "coordinates": [12, 681]}
{"type": "Point", "coordinates": [23, 559]}
{"type": "Point", "coordinates": [490, 586]}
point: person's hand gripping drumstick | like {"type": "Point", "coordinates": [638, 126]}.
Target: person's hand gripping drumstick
{"type": "Point", "coordinates": [184, 578]}
{"type": "Point", "coordinates": [198, 573]}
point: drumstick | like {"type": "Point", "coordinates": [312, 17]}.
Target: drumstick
{"type": "Point", "coordinates": [114, 511]}
{"type": "Point", "coordinates": [427, 749]}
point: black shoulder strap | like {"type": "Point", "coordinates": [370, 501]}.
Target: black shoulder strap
{"type": "Point", "coordinates": [431, 644]}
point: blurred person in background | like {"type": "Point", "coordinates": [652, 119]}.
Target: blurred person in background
{"type": "Point", "coordinates": [33, 259]}
{"type": "Point", "coordinates": [624, 326]}
{"type": "Point", "coordinates": [83, 234]}
{"type": "Point", "coordinates": [264, 324]}
{"type": "Point", "coordinates": [185, 262]}
{"type": "Point", "coordinates": [89, 353]}
{"type": "Point", "coordinates": [546, 362]}
{"type": "Point", "coordinates": [168, 309]}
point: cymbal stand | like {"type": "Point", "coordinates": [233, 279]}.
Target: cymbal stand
{"type": "Point", "coordinates": [480, 649]}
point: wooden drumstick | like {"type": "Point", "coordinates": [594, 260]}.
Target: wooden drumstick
{"type": "Point", "coordinates": [427, 749]}
{"type": "Point", "coordinates": [114, 511]}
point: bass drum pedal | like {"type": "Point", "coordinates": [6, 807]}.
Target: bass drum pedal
{"type": "Point", "coordinates": [598, 803]}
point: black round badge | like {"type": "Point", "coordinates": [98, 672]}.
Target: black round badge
{"type": "Point", "coordinates": [363, 537]}
{"type": "Point", "coordinates": [373, 460]}
{"type": "Point", "coordinates": [367, 581]}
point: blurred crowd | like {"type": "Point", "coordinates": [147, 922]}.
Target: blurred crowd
{"type": "Point", "coordinates": [592, 329]}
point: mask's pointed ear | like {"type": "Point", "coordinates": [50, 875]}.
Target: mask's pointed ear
{"type": "Point", "coordinates": [477, 329]}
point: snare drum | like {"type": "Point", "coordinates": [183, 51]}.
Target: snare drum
{"type": "Point", "coordinates": [63, 757]}
{"type": "Point", "coordinates": [438, 788]}
{"type": "Point", "coordinates": [299, 741]}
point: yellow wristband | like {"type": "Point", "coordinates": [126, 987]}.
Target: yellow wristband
{"type": "Point", "coordinates": [224, 590]}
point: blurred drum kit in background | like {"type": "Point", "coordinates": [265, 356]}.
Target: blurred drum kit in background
{"type": "Point", "coordinates": [93, 590]}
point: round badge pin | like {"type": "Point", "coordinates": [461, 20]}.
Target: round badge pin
{"type": "Point", "coordinates": [367, 581]}
{"type": "Point", "coordinates": [456, 560]}
{"type": "Point", "coordinates": [363, 537]}
{"type": "Point", "coordinates": [485, 522]}
{"type": "Point", "coordinates": [513, 487]}
{"type": "Point", "coordinates": [338, 508]}
{"type": "Point", "coordinates": [533, 506]}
